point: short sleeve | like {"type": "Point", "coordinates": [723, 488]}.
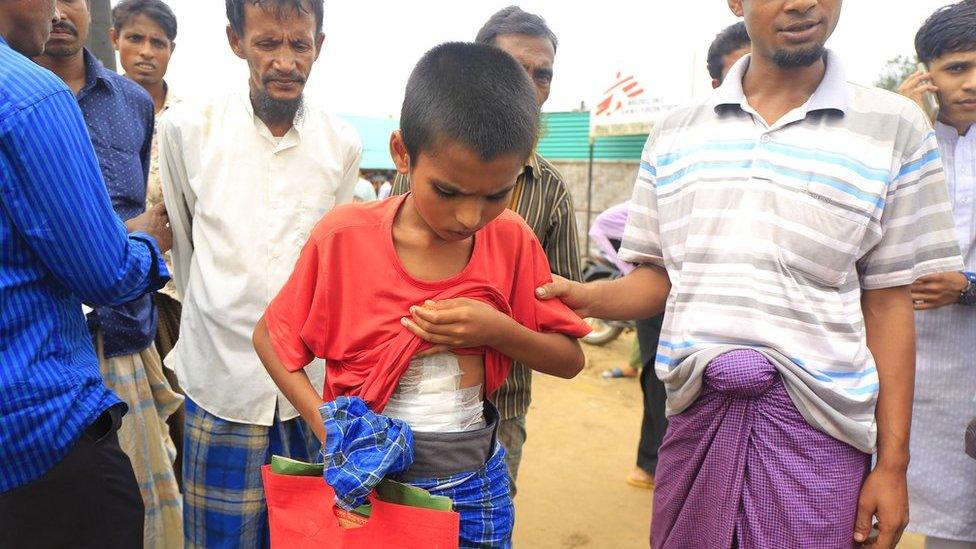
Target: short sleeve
{"type": "Point", "coordinates": [642, 235]}
{"type": "Point", "coordinates": [546, 316]}
{"type": "Point", "coordinates": [917, 229]}
{"type": "Point", "coordinates": [289, 313]}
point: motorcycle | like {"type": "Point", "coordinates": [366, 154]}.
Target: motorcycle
{"type": "Point", "coordinates": [600, 267]}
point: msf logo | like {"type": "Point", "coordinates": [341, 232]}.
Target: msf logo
{"type": "Point", "coordinates": [618, 95]}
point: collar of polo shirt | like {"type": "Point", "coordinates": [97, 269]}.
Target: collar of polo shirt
{"type": "Point", "coordinates": [831, 94]}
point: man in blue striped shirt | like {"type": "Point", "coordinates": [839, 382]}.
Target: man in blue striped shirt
{"type": "Point", "coordinates": [119, 117]}
{"type": "Point", "coordinates": [64, 481]}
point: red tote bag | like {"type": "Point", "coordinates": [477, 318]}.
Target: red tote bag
{"type": "Point", "coordinates": [302, 515]}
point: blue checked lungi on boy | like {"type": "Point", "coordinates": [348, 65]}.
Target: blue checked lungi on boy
{"type": "Point", "coordinates": [483, 500]}
{"type": "Point", "coordinates": [224, 502]}
{"type": "Point", "coordinates": [362, 447]}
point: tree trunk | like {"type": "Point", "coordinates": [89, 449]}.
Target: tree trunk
{"type": "Point", "coordinates": [98, 40]}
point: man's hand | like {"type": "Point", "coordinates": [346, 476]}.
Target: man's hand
{"type": "Point", "coordinates": [938, 290]}
{"type": "Point", "coordinates": [454, 323]}
{"type": "Point", "coordinates": [885, 496]}
{"type": "Point", "coordinates": [573, 294]}
{"type": "Point", "coordinates": [155, 223]}
{"type": "Point", "coordinates": [916, 86]}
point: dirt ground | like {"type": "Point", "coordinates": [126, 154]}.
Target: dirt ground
{"type": "Point", "coordinates": [582, 441]}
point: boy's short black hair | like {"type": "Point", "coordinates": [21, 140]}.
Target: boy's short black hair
{"type": "Point", "coordinates": [730, 39]}
{"type": "Point", "coordinates": [950, 29]}
{"type": "Point", "coordinates": [513, 20]}
{"type": "Point", "coordinates": [473, 94]}
{"type": "Point", "coordinates": [157, 10]}
{"type": "Point", "coordinates": [235, 11]}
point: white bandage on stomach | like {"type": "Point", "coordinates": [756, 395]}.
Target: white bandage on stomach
{"type": "Point", "coordinates": [429, 398]}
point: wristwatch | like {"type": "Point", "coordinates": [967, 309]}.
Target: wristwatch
{"type": "Point", "coordinates": [968, 296]}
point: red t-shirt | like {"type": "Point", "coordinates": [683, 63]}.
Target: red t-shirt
{"type": "Point", "coordinates": [348, 292]}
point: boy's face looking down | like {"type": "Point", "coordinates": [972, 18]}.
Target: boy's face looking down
{"type": "Point", "coordinates": [144, 49]}
{"type": "Point", "coordinates": [954, 73]}
{"type": "Point", "coordinates": [791, 33]}
{"type": "Point", "coordinates": [454, 190]}
{"type": "Point", "coordinates": [536, 54]}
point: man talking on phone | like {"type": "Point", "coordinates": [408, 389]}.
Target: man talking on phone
{"type": "Point", "coordinates": [942, 478]}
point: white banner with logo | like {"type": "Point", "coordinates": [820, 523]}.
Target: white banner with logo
{"type": "Point", "coordinates": [626, 108]}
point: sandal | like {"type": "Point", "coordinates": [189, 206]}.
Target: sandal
{"type": "Point", "coordinates": [639, 482]}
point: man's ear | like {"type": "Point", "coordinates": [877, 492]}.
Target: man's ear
{"type": "Point", "coordinates": [235, 42]}
{"type": "Point", "coordinates": [736, 7]}
{"type": "Point", "coordinates": [114, 37]}
{"type": "Point", "coordinates": [398, 151]}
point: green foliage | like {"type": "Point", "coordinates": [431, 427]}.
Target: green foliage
{"type": "Point", "coordinates": [895, 71]}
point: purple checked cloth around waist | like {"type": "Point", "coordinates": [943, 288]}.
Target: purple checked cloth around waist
{"type": "Point", "coordinates": [742, 463]}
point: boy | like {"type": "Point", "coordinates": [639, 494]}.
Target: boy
{"type": "Point", "coordinates": [941, 478]}
{"type": "Point", "coordinates": [468, 123]}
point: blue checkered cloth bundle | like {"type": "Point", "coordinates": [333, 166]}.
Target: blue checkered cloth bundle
{"type": "Point", "coordinates": [361, 447]}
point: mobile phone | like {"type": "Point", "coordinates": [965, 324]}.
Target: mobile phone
{"type": "Point", "coordinates": [931, 102]}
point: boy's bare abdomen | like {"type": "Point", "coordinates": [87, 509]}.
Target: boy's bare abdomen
{"type": "Point", "coordinates": [472, 371]}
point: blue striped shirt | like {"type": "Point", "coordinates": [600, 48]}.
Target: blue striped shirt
{"type": "Point", "coordinates": [61, 244]}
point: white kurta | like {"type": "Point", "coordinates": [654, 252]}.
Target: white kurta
{"type": "Point", "coordinates": [942, 478]}
{"type": "Point", "coordinates": [242, 204]}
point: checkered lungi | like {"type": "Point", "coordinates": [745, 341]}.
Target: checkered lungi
{"type": "Point", "coordinates": [224, 502]}
{"type": "Point", "coordinates": [138, 380]}
{"type": "Point", "coordinates": [742, 464]}
{"type": "Point", "coordinates": [483, 500]}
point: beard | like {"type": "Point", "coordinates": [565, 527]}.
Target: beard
{"type": "Point", "coordinates": [60, 49]}
{"type": "Point", "coordinates": [795, 59]}
{"type": "Point", "coordinates": [276, 111]}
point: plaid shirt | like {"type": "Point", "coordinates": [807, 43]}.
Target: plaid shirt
{"type": "Point", "coordinates": [543, 200]}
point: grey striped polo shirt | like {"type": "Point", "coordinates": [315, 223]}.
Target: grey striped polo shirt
{"type": "Point", "coordinates": [769, 235]}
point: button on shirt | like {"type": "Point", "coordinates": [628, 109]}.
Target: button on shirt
{"type": "Point", "coordinates": [770, 233]}
{"type": "Point", "coordinates": [242, 203]}
{"type": "Point", "coordinates": [119, 116]}
{"type": "Point", "coordinates": [60, 244]}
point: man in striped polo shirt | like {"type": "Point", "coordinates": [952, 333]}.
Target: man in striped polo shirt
{"type": "Point", "coordinates": [540, 197]}
{"type": "Point", "coordinates": [783, 221]}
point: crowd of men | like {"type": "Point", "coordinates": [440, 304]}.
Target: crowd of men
{"type": "Point", "coordinates": [804, 252]}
